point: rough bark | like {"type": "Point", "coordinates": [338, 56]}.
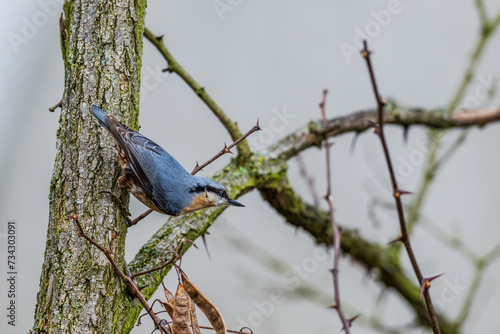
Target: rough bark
{"type": "Point", "coordinates": [102, 49]}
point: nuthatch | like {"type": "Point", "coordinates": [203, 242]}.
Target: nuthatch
{"type": "Point", "coordinates": [155, 178]}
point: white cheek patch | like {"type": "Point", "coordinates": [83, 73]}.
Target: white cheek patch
{"type": "Point", "coordinates": [221, 201]}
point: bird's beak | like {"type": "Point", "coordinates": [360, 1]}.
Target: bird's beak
{"type": "Point", "coordinates": [234, 203]}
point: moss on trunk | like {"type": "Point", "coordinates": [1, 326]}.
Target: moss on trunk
{"type": "Point", "coordinates": [102, 49]}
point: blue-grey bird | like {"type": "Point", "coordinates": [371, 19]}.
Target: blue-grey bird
{"type": "Point", "coordinates": [155, 178]}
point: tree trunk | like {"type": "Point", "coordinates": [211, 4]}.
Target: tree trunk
{"type": "Point", "coordinates": [102, 49]}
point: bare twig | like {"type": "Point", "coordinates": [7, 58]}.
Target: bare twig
{"type": "Point", "coordinates": [141, 217]}
{"type": "Point", "coordinates": [308, 178]}
{"type": "Point", "coordinates": [337, 234]}
{"type": "Point", "coordinates": [163, 265]}
{"type": "Point", "coordinates": [58, 105]}
{"type": "Point", "coordinates": [379, 129]}
{"type": "Point", "coordinates": [177, 255]}
{"type": "Point", "coordinates": [231, 331]}
{"type": "Point", "coordinates": [226, 149]}
{"type": "Point", "coordinates": [129, 283]}
{"type": "Point", "coordinates": [174, 66]}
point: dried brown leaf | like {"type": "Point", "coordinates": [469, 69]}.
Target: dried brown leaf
{"type": "Point", "coordinates": [180, 318]}
{"type": "Point", "coordinates": [169, 305]}
{"type": "Point", "coordinates": [211, 312]}
{"type": "Point", "coordinates": [195, 326]}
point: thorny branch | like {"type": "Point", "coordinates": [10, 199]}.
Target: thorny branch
{"type": "Point", "coordinates": [337, 234]}
{"type": "Point", "coordinates": [226, 149]}
{"type": "Point", "coordinates": [371, 256]}
{"type": "Point", "coordinates": [379, 130]}
{"type": "Point", "coordinates": [127, 280]}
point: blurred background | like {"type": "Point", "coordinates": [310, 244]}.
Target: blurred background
{"type": "Point", "coordinates": [271, 60]}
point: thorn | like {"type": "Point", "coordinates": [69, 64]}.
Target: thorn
{"type": "Point", "coordinates": [350, 321]}
{"type": "Point", "coordinates": [226, 150]}
{"type": "Point", "coordinates": [374, 125]}
{"type": "Point", "coordinates": [353, 143]}
{"type": "Point", "coordinates": [400, 192]}
{"type": "Point", "coordinates": [404, 192]}
{"type": "Point", "coordinates": [333, 271]}
{"type": "Point", "coordinates": [354, 318]}
{"type": "Point", "coordinates": [159, 38]}
{"type": "Point", "coordinates": [405, 133]}
{"type": "Point", "coordinates": [398, 239]}
{"type": "Point", "coordinates": [258, 125]}
{"type": "Point", "coordinates": [333, 306]}
{"type": "Point", "coordinates": [197, 165]}
{"type": "Point", "coordinates": [426, 284]}
{"type": "Point", "coordinates": [168, 69]}
{"type": "Point", "coordinates": [365, 52]}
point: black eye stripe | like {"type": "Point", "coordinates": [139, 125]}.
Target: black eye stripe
{"type": "Point", "coordinates": [197, 189]}
{"type": "Point", "coordinates": [220, 192]}
{"type": "Point", "coordinates": [200, 189]}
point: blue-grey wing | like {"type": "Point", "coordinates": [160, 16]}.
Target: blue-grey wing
{"type": "Point", "coordinates": [157, 171]}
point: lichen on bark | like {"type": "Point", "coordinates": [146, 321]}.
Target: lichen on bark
{"type": "Point", "coordinates": [102, 49]}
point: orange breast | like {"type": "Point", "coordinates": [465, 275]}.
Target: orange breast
{"type": "Point", "coordinates": [199, 202]}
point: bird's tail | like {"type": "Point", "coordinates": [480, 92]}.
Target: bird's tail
{"type": "Point", "coordinates": [99, 114]}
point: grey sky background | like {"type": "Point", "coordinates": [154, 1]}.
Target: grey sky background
{"type": "Point", "coordinates": [271, 60]}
